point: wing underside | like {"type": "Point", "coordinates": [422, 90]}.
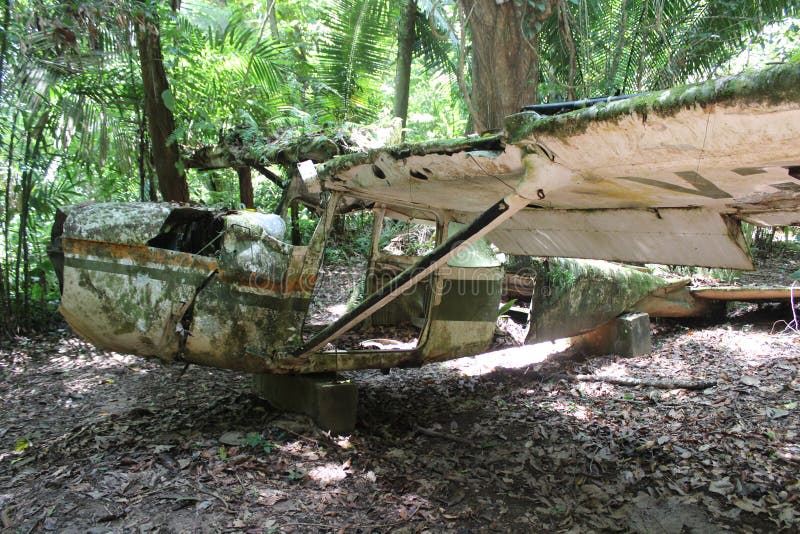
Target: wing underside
{"type": "Point", "coordinates": [665, 178]}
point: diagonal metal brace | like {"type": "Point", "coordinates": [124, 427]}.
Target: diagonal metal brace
{"type": "Point", "coordinates": [482, 225]}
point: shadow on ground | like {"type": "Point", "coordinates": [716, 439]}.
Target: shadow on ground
{"type": "Point", "coordinates": [116, 443]}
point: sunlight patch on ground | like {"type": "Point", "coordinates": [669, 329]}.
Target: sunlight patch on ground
{"type": "Point", "coordinates": [513, 358]}
{"type": "Point", "coordinates": [613, 369]}
{"type": "Point", "coordinates": [328, 473]}
{"type": "Point", "coordinates": [754, 346]}
{"type": "Point", "coordinates": [572, 409]}
{"type": "Point", "coordinates": [337, 309]}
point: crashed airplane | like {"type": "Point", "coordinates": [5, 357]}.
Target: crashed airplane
{"type": "Point", "coordinates": [664, 177]}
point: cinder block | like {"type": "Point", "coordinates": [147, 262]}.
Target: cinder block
{"type": "Point", "coordinates": [627, 335]}
{"type": "Point", "coordinates": [330, 402]}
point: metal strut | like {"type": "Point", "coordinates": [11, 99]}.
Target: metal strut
{"type": "Point", "coordinates": [482, 225]}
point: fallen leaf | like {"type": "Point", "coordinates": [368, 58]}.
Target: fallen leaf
{"type": "Point", "coordinates": [748, 505]}
{"type": "Point", "coordinates": [268, 497]}
{"type": "Point", "coordinates": [21, 444]}
{"type": "Point", "coordinates": [787, 516]}
{"type": "Point", "coordinates": [232, 438]}
{"type": "Point", "coordinates": [722, 486]}
{"type": "Point", "coordinates": [594, 492]}
{"type": "Point", "coordinates": [750, 380]}
{"type": "Point", "coordinates": [203, 505]}
{"type": "Point", "coordinates": [775, 413]}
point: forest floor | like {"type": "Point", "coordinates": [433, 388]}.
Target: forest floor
{"type": "Point", "coordinates": [506, 441]}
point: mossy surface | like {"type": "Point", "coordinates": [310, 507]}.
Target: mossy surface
{"type": "Point", "coordinates": [774, 85]}
{"type": "Point", "coordinates": [440, 146]}
{"type": "Point", "coordinates": [575, 296]}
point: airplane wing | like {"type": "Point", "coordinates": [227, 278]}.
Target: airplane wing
{"type": "Point", "coordinates": [665, 177]}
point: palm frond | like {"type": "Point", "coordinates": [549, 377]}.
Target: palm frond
{"type": "Point", "coordinates": [434, 42]}
{"type": "Point", "coordinates": [634, 45]}
{"type": "Point", "coordinates": [355, 53]}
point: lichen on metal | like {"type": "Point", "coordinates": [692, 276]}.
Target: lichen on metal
{"type": "Point", "coordinates": [572, 297]}
{"type": "Point", "coordinates": [131, 224]}
{"type": "Point", "coordinates": [251, 243]}
{"type": "Point", "coordinates": [485, 145]}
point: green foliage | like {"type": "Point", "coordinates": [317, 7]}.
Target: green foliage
{"type": "Point", "coordinates": [22, 444]}
{"type": "Point", "coordinates": [306, 223]}
{"type": "Point", "coordinates": [559, 276]}
{"type": "Point", "coordinates": [399, 237]}
{"type": "Point", "coordinates": [350, 238]}
{"type": "Point", "coordinates": [504, 309]}
{"type": "Point", "coordinates": [354, 54]}
{"type": "Point", "coordinates": [255, 440]}
{"type": "Point", "coordinates": [225, 68]}
{"type": "Point", "coordinates": [436, 110]}
{"type": "Point", "coordinates": [636, 45]}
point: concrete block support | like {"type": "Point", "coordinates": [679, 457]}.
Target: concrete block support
{"type": "Point", "coordinates": [627, 335]}
{"type": "Point", "coordinates": [330, 402]}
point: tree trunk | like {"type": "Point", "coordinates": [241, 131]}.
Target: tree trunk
{"type": "Point", "coordinates": [7, 219]}
{"type": "Point", "coordinates": [161, 121]}
{"type": "Point", "coordinates": [140, 159]}
{"type": "Point", "coordinates": [405, 48]}
{"type": "Point", "coordinates": [296, 239]}
{"type": "Point", "coordinates": [4, 45]}
{"type": "Point", "coordinates": [503, 64]}
{"type": "Point", "coordinates": [246, 187]}
{"type": "Point", "coordinates": [32, 154]}
{"type": "Point", "coordinates": [272, 14]}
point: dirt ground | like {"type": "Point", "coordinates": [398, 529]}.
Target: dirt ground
{"type": "Point", "coordinates": [507, 441]}
{"type": "Point", "coordinates": [112, 443]}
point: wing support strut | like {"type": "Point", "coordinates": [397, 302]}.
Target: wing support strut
{"type": "Point", "coordinates": [482, 225]}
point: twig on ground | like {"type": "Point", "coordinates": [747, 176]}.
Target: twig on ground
{"type": "Point", "coordinates": [443, 435]}
{"type": "Point", "coordinates": [661, 383]}
{"type": "Point", "coordinates": [7, 524]}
